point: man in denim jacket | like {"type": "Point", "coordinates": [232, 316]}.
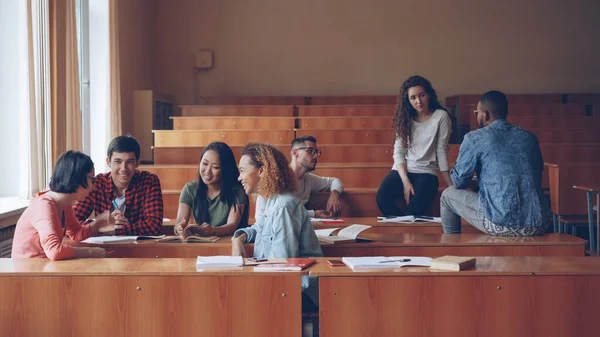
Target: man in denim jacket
{"type": "Point", "coordinates": [508, 163]}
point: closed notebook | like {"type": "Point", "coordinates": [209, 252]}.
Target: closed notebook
{"type": "Point", "coordinates": [292, 264]}
{"type": "Point", "coordinates": [455, 263]}
{"type": "Point", "coordinates": [317, 221]}
{"type": "Point", "coordinates": [189, 235]}
{"type": "Point", "coordinates": [385, 262]}
{"type": "Point", "coordinates": [409, 219]}
{"type": "Point", "coordinates": [219, 263]}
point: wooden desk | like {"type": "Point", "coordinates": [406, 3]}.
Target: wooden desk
{"type": "Point", "coordinates": [459, 244]}
{"type": "Point", "coordinates": [502, 296]}
{"type": "Point", "coordinates": [144, 297]}
{"type": "Point", "coordinates": [153, 249]}
{"type": "Point", "coordinates": [385, 244]}
{"type": "Point", "coordinates": [396, 228]}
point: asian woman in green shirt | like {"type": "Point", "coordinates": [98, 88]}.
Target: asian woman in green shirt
{"type": "Point", "coordinates": [216, 199]}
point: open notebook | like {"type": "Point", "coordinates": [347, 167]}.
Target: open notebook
{"type": "Point", "coordinates": [383, 262]}
{"type": "Point", "coordinates": [121, 238]}
{"type": "Point", "coordinates": [347, 234]}
{"type": "Point", "coordinates": [409, 218]}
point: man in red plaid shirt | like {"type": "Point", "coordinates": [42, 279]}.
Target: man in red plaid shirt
{"type": "Point", "coordinates": [133, 198]}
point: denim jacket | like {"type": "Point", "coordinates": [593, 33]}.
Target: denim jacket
{"type": "Point", "coordinates": [508, 162]}
{"type": "Point", "coordinates": [284, 230]}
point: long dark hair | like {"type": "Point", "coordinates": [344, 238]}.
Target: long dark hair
{"type": "Point", "coordinates": [405, 113]}
{"type": "Point", "coordinates": [229, 175]}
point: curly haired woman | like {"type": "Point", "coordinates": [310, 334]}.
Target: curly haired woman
{"type": "Point", "coordinates": [422, 130]}
{"type": "Point", "coordinates": [283, 230]}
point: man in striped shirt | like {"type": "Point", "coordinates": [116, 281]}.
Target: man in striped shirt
{"type": "Point", "coordinates": [133, 197]}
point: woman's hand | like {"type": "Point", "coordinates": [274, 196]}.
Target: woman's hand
{"type": "Point", "coordinates": [96, 252]}
{"type": "Point", "coordinates": [179, 227]}
{"type": "Point", "coordinates": [237, 246]}
{"type": "Point", "coordinates": [105, 225]}
{"type": "Point", "coordinates": [205, 230]}
{"type": "Point", "coordinates": [408, 191]}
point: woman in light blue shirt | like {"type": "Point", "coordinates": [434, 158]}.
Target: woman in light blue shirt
{"type": "Point", "coordinates": [283, 229]}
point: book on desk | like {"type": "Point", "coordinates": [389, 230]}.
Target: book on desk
{"type": "Point", "coordinates": [347, 234]}
{"type": "Point", "coordinates": [454, 263]}
{"type": "Point", "coordinates": [120, 238]}
{"type": "Point", "coordinates": [222, 262]}
{"type": "Point", "coordinates": [408, 219]}
{"type": "Point", "coordinates": [189, 234]}
{"type": "Point", "coordinates": [385, 262]}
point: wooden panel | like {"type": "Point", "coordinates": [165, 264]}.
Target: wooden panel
{"type": "Point", "coordinates": [346, 110]}
{"type": "Point", "coordinates": [356, 177]}
{"type": "Point", "coordinates": [354, 100]}
{"type": "Point", "coordinates": [571, 153]}
{"type": "Point", "coordinates": [106, 305]}
{"type": "Point", "coordinates": [345, 123]}
{"type": "Point", "coordinates": [339, 153]}
{"type": "Point", "coordinates": [173, 177]}
{"type": "Point", "coordinates": [191, 154]}
{"type": "Point", "coordinates": [565, 200]}
{"type": "Point", "coordinates": [556, 122]}
{"type": "Point", "coordinates": [349, 136]}
{"type": "Point", "coordinates": [233, 123]}
{"type": "Point", "coordinates": [355, 202]}
{"type": "Point", "coordinates": [584, 98]}
{"type": "Point", "coordinates": [539, 110]}
{"type": "Point", "coordinates": [238, 110]}
{"type": "Point", "coordinates": [233, 137]}
{"type": "Point", "coordinates": [567, 135]}
{"type": "Point", "coordinates": [254, 100]}
{"type": "Point", "coordinates": [462, 305]}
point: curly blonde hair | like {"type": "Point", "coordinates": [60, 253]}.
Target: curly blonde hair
{"type": "Point", "coordinates": [278, 178]}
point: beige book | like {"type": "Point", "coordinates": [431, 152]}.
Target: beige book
{"type": "Point", "coordinates": [455, 263]}
{"type": "Point", "coordinates": [189, 235]}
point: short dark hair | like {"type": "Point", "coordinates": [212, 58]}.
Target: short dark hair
{"type": "Point", "coordinates": [124, 144]}
{"type": "Point", "coordinates": [496, 103]}
{"type": "Point", "coordinates": [302, 139]}
{"type": "Point", "coordinates": [70, 172]}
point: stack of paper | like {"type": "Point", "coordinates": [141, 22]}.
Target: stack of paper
{"type": "Point", "coordinates": [219, 262]}
{"type": "Point", "coordinates": [382, 262]}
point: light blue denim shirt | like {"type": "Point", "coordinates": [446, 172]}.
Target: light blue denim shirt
{"type": "Point", "coordinates": [509, 165]}
{"type": "Point", "coordinates": [284, 230]}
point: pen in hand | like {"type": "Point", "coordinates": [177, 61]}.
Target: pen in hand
{"type": "Point", "coordinates": [400, 260]}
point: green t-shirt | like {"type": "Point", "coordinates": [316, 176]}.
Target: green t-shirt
{"type": "Point", "coordinates": [218, 212]}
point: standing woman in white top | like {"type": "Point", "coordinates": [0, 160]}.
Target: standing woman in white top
{"type": "Point", "coordinates": [422, 130]}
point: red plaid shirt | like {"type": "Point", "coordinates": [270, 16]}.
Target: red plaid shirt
{"type": "Point", "coordinates": [143, 201]}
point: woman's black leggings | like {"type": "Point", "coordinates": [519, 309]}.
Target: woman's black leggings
{"type": "Point", "coordinates": [391, 190]}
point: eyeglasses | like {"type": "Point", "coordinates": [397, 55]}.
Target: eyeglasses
{"type": "Point", "coordinates": [311, 150]}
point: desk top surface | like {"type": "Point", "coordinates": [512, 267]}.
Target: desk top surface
{"type": "Point", "coordinates": [119, 267]}
{"type": "Point", "coordinates": [486, 266]}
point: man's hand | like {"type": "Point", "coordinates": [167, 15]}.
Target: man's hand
{"type": "Point", "coordinates": [321, 214]}
{"type": "Point", "coordinates": [105, 225]}
{"type": "Point", "coordinates": [333, 204]}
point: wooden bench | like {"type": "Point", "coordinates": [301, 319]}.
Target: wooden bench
{"type": "Point", "coordinates": [404, 244]}
{"type": "Point", "coordinates": [238, 110]}
{"type": "Point", "coordinates": [232, 137]}
{"type": "Point", "coordinates": [345, 123]}
{"type": "Point", "coordinates": [394, 228]}
{"type": "Point", "coordinates": [253, 100]}
{"type": "Point", "coordinates": [354, 100]}
{"type": "Point", "coordinates": [555, 122]}
{"type": "Point", "coordinates": [362, 137]}
{"type": "Point", "coordinates": [144, 297]}
{"type": "Point", "coordinates": [501, 296]}
{"type": "Point", "coordinates": [190, 155]}
{"type": "Point", "coordinates": [412, 244]}
{"type": "Point", "coordinates": [346, 110]}
{"type": "Point", "coordinates": [233, 123]}
{"type": "Point", "coordinates": [592, 191]}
